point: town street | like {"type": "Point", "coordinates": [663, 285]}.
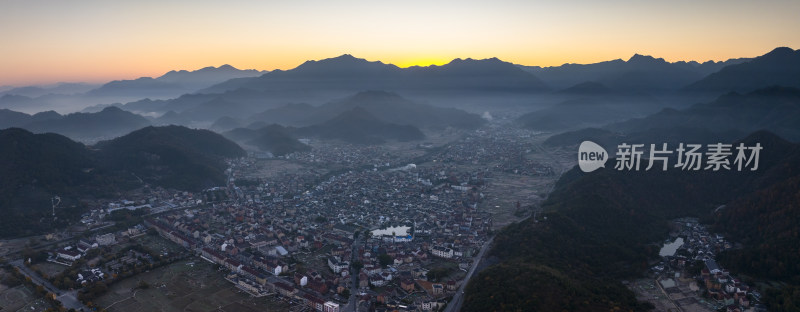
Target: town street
{"type": "Point", "coordinates": [67, 298]}
{"type": "Point", "coordinates": [458, 298]}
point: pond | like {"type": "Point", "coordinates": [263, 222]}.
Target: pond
{"type": "Point", "coordinates": [397, 230]}
{"type": "Point", "coordinates": [669, 249]}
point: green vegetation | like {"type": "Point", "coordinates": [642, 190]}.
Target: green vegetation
{"type": "Point", "coordinates": [385, 260]}
{"type": "Point", "coordinates": [599, 229]}
{"type": "Point", "coordinates": [438, 274]}
{"type": "Point", "coordinates": [37, 167]}
{"type": "Point", "coordinates": [173, 156]}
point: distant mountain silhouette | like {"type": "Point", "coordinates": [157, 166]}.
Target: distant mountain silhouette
{"type": "Point", "coordinates": [273, 138]}
{"type": "Point", "coordinates": [776, 109]}
{"type": "Point", "coordinates": [171, 118]}
{"type": "Point", "coordinates": [319, 81]}
{"type": "Point", "coordinates": [141, 87]}
{"type": "Point", "coordinates": [360, 126]}
{"type": "Point", "coordinates": [349, 74]}
{"type": "Point", "coordinates": [225, 123]}
{"type": "Point", "coordinates": [108, 123]}
{"type": "Point", "coordinates": [111, 121]}
{"type": "Point", "coordinates": [208, 76]}
{"type": "Point", "coordinates": [639, 73]}
{"type": "Point", "coordinates": [587, 88]}
{"type": "Point", "coordinates": [173, 83]}
{"type": "Point", "coordinates": [590, 111]}
{"type": "Point", "coordinates": [731, 116]}
{"type": "Point", "coordinates": [9, 118]}
{"type": "Point", "coordinates": [206, 108]}
{"type": "Point", "coordinates": [17, 102]}
{"type": "Point", "coordinates": [386, 106]}
{"type": "Point", "coordinates": [780, 67]}
{"type": "Point", "coordinates": [92, 98]}
{"type": "Point", "coordinates": [213, 109]}
{"type": "Point", "coordinates": [64, 88]}
{"type": "Point", "coordinates": [292, 114]}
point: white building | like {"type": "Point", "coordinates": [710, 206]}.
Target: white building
{"type": "Point", "coordinates": [336, 265]}
{"type": "Point", "coordinates": [69, 254]}
{"type": "Point", "coordinates": [442, 252]}
{"type": "Point", "coordinates": [330, 306]}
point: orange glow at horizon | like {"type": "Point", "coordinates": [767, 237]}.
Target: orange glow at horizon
{"type": "Point", "coordinates": [98, 41]}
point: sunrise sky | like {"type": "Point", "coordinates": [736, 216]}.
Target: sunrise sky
{"type": "Point", "coordinates": [97, 41]}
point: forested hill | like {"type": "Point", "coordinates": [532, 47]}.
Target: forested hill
{"type": "Point", "coordinates": [37, 167]}
{"type": "Point", "coordinates": [600, 228]}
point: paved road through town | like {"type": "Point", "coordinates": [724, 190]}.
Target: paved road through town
{"type": "Point", "coordinates": [458, 298]}
{"type": "Point", "coordinates": [68, 298]}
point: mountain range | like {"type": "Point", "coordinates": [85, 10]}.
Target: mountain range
{"type": "Point", "coordinates": [780, 67]}
{"type": "Point", "coordinates": [275, 139]}
{"type": "Point", "coordinates": [775, 108]}
{"type": "Point", "coordinates": [173, 83]}
{"type": "Point", "coordinates": [459, 83]}
{"type": "Point", "coordinates": [64, 88]}
{"type": "Point", "coordinates": [593, 106]}
{"type": "Point", "coordinates": [638, 73]}
{"type": "Point", "coordinates": [360, 126]}
{"type": "Point", "coordinates": [356, 125]}
{"type": "Point", "coordinates": [78, 96]}
{"type": "Point", "coordinates": [387, 106]}
{"type": "Point", "coordinates": [732, 115]}
{"type": "Point", "coordinates": [316, 82]}
{"type": "Point", "coordinates": [348, 74]}
{"type": "Point", "coordinates": [108, 123]}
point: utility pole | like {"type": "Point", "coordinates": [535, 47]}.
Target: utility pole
{"type": "Point", "coordinates": [55, 201]}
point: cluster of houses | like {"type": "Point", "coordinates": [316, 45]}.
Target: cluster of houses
{"type": "Point", "coordinates": [724, 288]}
{"type": "Point", "coordinates": [263, 222]}
{"type": "Point", "coordinates": [719, 284]}
{"type": "Point", "coordinates": [502, 147]}
{"type": "Point", "coordinates": [350, 155]}
{"type": "Point", "coordinates": [154, 200]}
{"type": "Point", "coordinates": [253, 234]}
{"type": "Point", "coordinates": [68, 254]}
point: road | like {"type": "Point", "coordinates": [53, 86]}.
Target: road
{"type": "Point", "coordinates": [352, 304]}
{"type": "Point", "coordinates": [68, 298]}
{"type": "Point", "coordinates": [458, 298]}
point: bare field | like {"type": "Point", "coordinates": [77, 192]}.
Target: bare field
{"type": "Point", "coordinates": [191, 285]}
{"type": "Point", "coordinates": [679, 298]}
{"type": "Point", "coordinates": [268, 168]}
{"type": "Point", "coordinates": [21, 298]}
{"type": "Point", "coordinates": [49, 268]}
{"type": "Point", "coordinates": [505, 190]}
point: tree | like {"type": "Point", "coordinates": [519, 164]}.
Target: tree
{"type": "Point", "coordinates": [385, 260]}
{"type": "Point", "coordinates": [142, 285]}
{"type": "Point", "coordinates": [357, 265]}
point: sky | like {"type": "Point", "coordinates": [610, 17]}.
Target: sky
{"type": "Point", "coordinates": [98, 41]}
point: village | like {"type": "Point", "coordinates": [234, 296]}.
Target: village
{"type": "Point", "coordinates": [688, 278]}
{"type": "Point", "coordinates": [380, 233]}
